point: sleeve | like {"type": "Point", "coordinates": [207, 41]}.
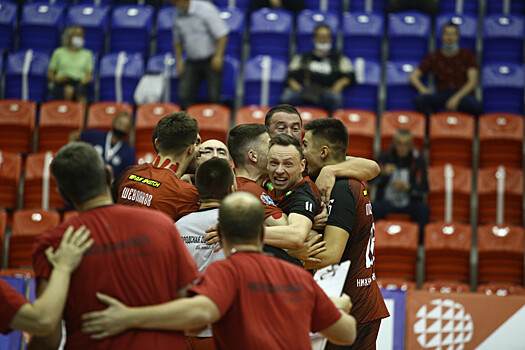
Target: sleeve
{"type": "Point", "coordinates": [53, 63]}
{"type": "Point", "coordinates": [419, 181]}
{"type": "Point", "coordinates": [188, 202]}
{"type": "Point", "coordinates": [187, 271]}
{"type": "Point", "coordinates": [471, 60]}
{"type": "Point", "coordinates": [11, 301]}
{"type": "Point", "coordinates": [269, 206]}
{"type": "Point", "coordinates": [304, 202]}
{"type": "Point", "coordinates": [341, 209]}
{"type": "Point", "coordinates": [324, 313]}
{"type": "Point", "coordinates": [345, 68]}
{"type": "Point", "coordinates": [176, 33]}
{"type": "Point", "coordinates": [295, 68]}
{"type": "Point", "coordinates": [426, 65]}
{"type": "Point", "coordinates": [214, 22]}
{"type": "Point", "coordinates": [90, 63]}
{"type": "Point", "coordinates": [52, 237]}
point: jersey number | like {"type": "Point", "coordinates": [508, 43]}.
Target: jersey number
{"type": "Point", "coordinates": [370, 257]}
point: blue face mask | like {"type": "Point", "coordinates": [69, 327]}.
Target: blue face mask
{"type": "Point", "coordinates": [450, 47]}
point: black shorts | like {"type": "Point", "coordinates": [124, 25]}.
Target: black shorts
{"type": "Point", "coordinates": [80, 89]}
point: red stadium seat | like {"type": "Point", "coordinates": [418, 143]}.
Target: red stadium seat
{"type": "Point", "coordinates": [57, 120]}
{"type": "Point", "coordinates": [461, 192]}
{"type": "Point", "coordinates": [447, 251]}
{"type": "Point", "coordinates": [311, 113]}
{"type": "Point", "coordinates": [148, 115]}
{"type": "Point", "coordinates": [250, 115]}
{"type": "Point", "coordinates": [101, 114]}
{"type": "Point", "coordinates": [69, 214]}
{"type": "Point", "coordinates": [40, 189]}
{"type": "Point", "coordinates": [392, 121]}
{"type": "Point", "coordinates": [361, 127]}
{"type": "Point", "coordinates": [501, 140]}
{"type": "Point", "coordinates": [10, 170]}
{"type": "Point", "coordinates": [445, 287]}
{"type": "Point", "coordinates": [451, 138]}
{"type": "Point", "coordinates": [3, 226]}
{"type": "Point", "coordinates": [213, 119]}
{"type": "Point", "coordinates": [501, 289]}
{"type": "Point", "coordinates": [17, 125]}
{"type": "Point", "coordinates": [395, 283]}
{"type": "Point", "coordinates": [21, 273]}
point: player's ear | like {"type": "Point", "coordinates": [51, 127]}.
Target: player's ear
{"type": "Point", "coordinates": [252, 155]}
{"type": "Point", "coordinates": [325, 151]}
{"type": "Point", "coordinates": [303, 164]}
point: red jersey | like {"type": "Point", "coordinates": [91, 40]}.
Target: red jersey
{"type": "Point", "coordinates": [350, 210]}
{"type": "Point", "coordinates": [265, 303]}
{"type": "Point", "coordinates": [247, 185]}
{"type": "Point", "coordinates": [449, 72]}
{"type": "Point", "coordinates": [304, 198]}
{"type": "Point", "coordinates": [11, 301]}
{"type": "Point", "coordinates": [152, 187]}
{"type": "Point", "coordinates": [138, 257]}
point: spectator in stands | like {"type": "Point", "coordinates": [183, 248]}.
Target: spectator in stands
{"type": "Point", "coordinates": [111, 145]}
{"type": "Point", "coordinates": [318, 77]}
{"type": "Point", "coordinates": [291, 5]}
{"type": "Point", "coordinates": [455, 71]}
{"type": "Point", "coordinates": [71, 67]}
{"type": "Point", "coordinates": [202, 35]}
{"type": "Point", "coordinates": [402, 183]}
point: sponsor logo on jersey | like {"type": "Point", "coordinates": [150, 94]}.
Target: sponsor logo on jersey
{"type": "Point", "coordinates": [365, 192]}
{"type": "Point", "coordinates": [144, 180]}
{"type": "Point", "coordinates": [267, 200]}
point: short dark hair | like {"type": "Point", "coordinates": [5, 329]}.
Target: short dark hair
{"type": "Point", "coordinates": [333, 132]}
{"type": "Point", "coordinates": [175, 132]}
{"type": "Point", "coordinates": [241, 217]}
{"type": "Point", "coordinates": [286, 140]}
{"type": "Point", "coordinates": [154, 137]}
{"type": "Point", "coordinates": [450, 24]}
{"type": "Point", "coordinates": [285, 108]}
{"type": "Point", "coordinates": [320, 26]}
{"type": "Point", "coordinates": [214, 178]}
{"type": "Point", "coordinates": [79, 172]}
{"type": "Point", "coordinates": [241, 139]}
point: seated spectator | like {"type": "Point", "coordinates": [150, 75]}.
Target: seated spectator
{"type": "Point", "coordinates": [294, 6]}
{"type": "Point", "coordinates": [402, 183]}
{"type": "Point", "coordinates": [318, 77]}
{"type": "Point", "coordinates": [455, 71]}
{"type": "Point", "coordinates": [71, 67]}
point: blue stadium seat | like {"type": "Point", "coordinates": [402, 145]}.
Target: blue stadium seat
{"type": "Point", "coordinates": [408, 35]}
{"type": "Point", "coordinates": [229, 81]}
{"type": "Point", "coordinates": [362, 34]}
{"type": "Point", "coordinates": [469, 7]}
{"type": "Point", "coordinates": [131, 28]}
{"type": "Point", "coordinates": [13, 340]}
{"type": "Point", "coordinates": [94, 20]}
{"type": "Point", "coordinates": [165, 17]}
{"type": "Point", "coordinates": [503, 38]}
{"type": "Point", "coordinates": [40, 26]}
{"type": "Point", "coordinates": [324, 5]}
{"type": "Point", "coordinates": [236, 21]}
{"type": "Point", "coordinates": [503, 87]}
{"type": "Point", "coordinates": [165, 62]}
{"type": "Point", "coordinates": [363, 94]}
{"type": "Point", "coordinates": [97, 2]}
{"type": "Point", "coordinates": [32, 65]}
{"type": "Point", "coordinates": [468, 29]}
{"type": "Point", "coordinates": [270, 31]}
{"type": "Point", "coordinates": [119, 76]}
{"type": "Point", "coordinates": [399, 93]}
{"type": "Point", "coordinates": [243, 5]}
{"type": "Point", "coordinates": [505, 6]}
{"type": "Point", "coordinates": [264, 80]}
{"type": "Point", "coordinates": [377, 6]}
{"type": "Point", "coordinates": [307, 20]}
{"type": "Point", "coordinates": [8, 21]}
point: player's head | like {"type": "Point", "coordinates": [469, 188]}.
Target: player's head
{"type": "Point", "coordinates": [402, 143]}
{"type": "Point", "coordinates": [79, 172]}
{"type": "Point", "coordinates": [121, 125]}
{"type": "Point", "coordinates": [248, 144]}
{"type": "Point", "coordinates": [214, 179]}
{"type": "Point", "coordinates": [241, 219]}
{"type": "Point", "coordinates": [285, 162]}
{"type": "Point", "coordinates": [450, 35]}
{"type": "Point", "coordinates": [212, 149]}
{"type": "Point", "coordinates": [177, 134]}
{"type": "Point", "coordinates": [325, 142]}
{"type": "Point", "coordinates": [284, 119]}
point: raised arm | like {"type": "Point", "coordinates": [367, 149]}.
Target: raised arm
{"type": "Point", "coordinates": [291, 236]}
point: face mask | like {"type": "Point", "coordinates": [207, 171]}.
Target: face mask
{"type": "Point", "coordinates": [77, 42]}
{"type": "Point", "coordinates": [118, 133]}
{"type": "Point", "coordinates": [323, 47]}
{"type": "Point", "coordinates": [450, 47]}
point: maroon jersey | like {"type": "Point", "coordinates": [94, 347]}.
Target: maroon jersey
{"type": "Point", "coordinates": [304, 198]}
{"type": "Point", "coordinates": [11, 301]}
{"type": "Point", "coordinates": [247, 185]}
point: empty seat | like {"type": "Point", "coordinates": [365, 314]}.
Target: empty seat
{"type": "Point", "coordinates": [213, 119]}
{"type": "Point", "coordinates": [311, 113]}
{"type": "Point", "coordinates": [26, 75]}
{"type": "Point", "coordinates": [451, 138]}
{"type": "Point", "coordinates": [469, 7]}
{"type": "Point", "coordinates": [501, 289]}
{"type": "Point", "coordinates": [400, 93]}
{"type": "Point", "coordinates": [500, 140]}
{"type": "Point", "coordinates": [270, 31]}
{"type": "Point", "coordinates": [41, 25]}
{"type": "Point", "coordinates": [324, 5]}
{"type": "Point", "coordinates": [57, 120]}
{"type": "Point", "coordinates": [119, 76]}
{"type": "Point", "coordinates": [148, 115]}
{"type": "Point", "coordinates": [97, 2]}
{"type": "Point", "coordinates": [362, 35]}
{"type": "Point", "coordinates": [165, 17]}
{"type": "Point", "coordinates": [94, 20]}
{"type": "Point", "coordinates": [240, 4]}
{"type": "Point", "coordinates": [363, 94]}
{"type": "Point", "coordinates": [503, 38]}
{"type": "Point", "coordinates": [164, 63]}
{"type": "Point", "coordinates": [307, 20]}
{"type": "Point", "coordinates": [395, 284]}
{"type": "Point", "coordinates": [235, 19]}
{"type": "Point", "coordinates": [503, 87]}
{"type": "Point", "coordinates": [40, 189]}
{"type": "Point", "coordinates": [131, 28]}
{"type": "Point", "coordinates": [391, 121]}
{"type": "Point", "coordinates": [10, 170]}
{"type": "Point", "coordinates": [445, 287]}
{"type": "Point", "coordinates": [8, 22]}
{"type": "Point", "coordinates": [250, 114]}
{"type": "Point", "coordinates": [377, 6]}
{"type": "Point", "coordinates": [505, 6]}
{"type": "Point", "coordinates": [468, 29]}
{"type": "Point", "coordinates": [408, 35]}
{"type": "Point", "coordinates": [17, 124]}
{"type": "Point", "coordinates": [3, 227]}
{"type": "Point", "coordinates": [264, 80]}
{"type": "Point", "coordinates": [101, 114]}
{"type": "Point", "coordinates": [361, 126]}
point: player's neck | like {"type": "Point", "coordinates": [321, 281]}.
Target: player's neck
{"type": "Point", "coordinates": [241, 248]}
{"type": "Point", "coordinates": [210, 203]}
{"type": "Point", "coordinates": [177, 164]}
{"type": "Point", "coordinates": [99, 201]}
{"type": "Point", "coordinates": [251, 173]}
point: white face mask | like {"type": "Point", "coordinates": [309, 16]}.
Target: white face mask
{"type": "Point", "coordinates": [323, 47]}
{"type": "Point", "coordinates": [77, 42]}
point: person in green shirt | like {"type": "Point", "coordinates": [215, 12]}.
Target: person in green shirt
{"type": "Point", "coordinates": [71, 67]}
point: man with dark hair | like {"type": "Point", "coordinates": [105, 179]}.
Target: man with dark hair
{"type": "Point", "coordinates": [134, 250]}
{"type": "Point", "coordinates": [157, 185]}
{"type": "Point", "coordinates": [349, 231]}
{"type": "Point", "coordinates": [248, 297]}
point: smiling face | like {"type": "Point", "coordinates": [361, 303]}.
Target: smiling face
{"type": "Point", "coordinates": [285, 123]}
{"type": "Point", "coordinates": [285, 167]}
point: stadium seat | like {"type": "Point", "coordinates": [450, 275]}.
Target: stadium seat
{"type": "Point", "coordinates": [361, 126]}
{"type": "Point", "coordinates": [501, 289]}
{"type": "Point", "coordinates": [395, 284]}
{"type": "Point", "coordinates": [130, 28]}
{"type": "Point", "coordinates": [17, 124]}
{"type": "Point", "coordinates": [8, 24]}
{"type": "Point", "coordinates": [26, 75]}
{"type": "Point", "coordinates": [469, 7]}
{"type": "Point", "coordinates": [10, 170]}
{"type": "Point", "coordinates": [363, 34]}
{"type": "Point", "coordinates": [57, 120]}
{"type": "Point", "coordinates": [40, 26]}
{"type": "Point", "coordinates": [396, 249]}
{"type": "Point", "coordinates": [391, 121]}
{"type": "Point", "coordinates": [468, 29]}
{"type": "Point", "coordinates": [95, 21]}
{"type": "Point", "coordinates": [408, 35]}
{"type": "Point", "coordinates": [213, 119]}
{"type": "Point", "coordinates": [505, 6]}
{"type": "Point", "coordinates": [447, 251]}
{"type": "Point", "coordinates": [500, 140]}
{"type": "Point", "coordinates": [148, 115]}
{"type": "Point", "coordinates": [270, 32]}
{"type": "Point", "coordinates": [230, 75]}
{"type": "Point", "coordinates": [145, 157]}
{"type": "Point", "coordinates": [165, 17]}
{"type": "Point", "coordinates": [101, 114]}
{"type": "Point", "coordinates": [311, 113]}
{"type": "Point", "coordinates": [503, 38]}
{"type": "Point", "coordinates": [363, 94]}
{"type": "Point", "coordinates": [451, 137]}
{"type": "Point", "coordinates": [27, 224]}
{"type": "Point", "coordinates": [445, 287]}
{"type": "Point", "coordinates": [240, 4]}
{"type": "Point", "coordinates": [377, 6]}
{"type": "Point", "coordinates": [164, 63]}
{"type": "Point", "coordinates": [457, 192]}
{"type": "Point", "coordinates": [69, 214]}
{"type": "Point", "coordinates": [400, 93]}
{"type": "Point", "coordinates": [3, 227]}
{"type": "Point", "coordinates": [236, 21]}
{"type": "Point", "coordinates": [119, 76]}
{"type": "Point", "coordinates": [307, 20]}
{"type": "Point", "coordinates": [97, 2]}
{"type": "Point", "coordinates": [500, 253]}
{"type": "Point", "coordinates": [500, 202]}
{"type": "Point", "coordinates": [264, 80]}
{"type": "Point", "coordinates": [250, 114]}
{"type": "Point", "coordinates": [503, 87]}
{"type": "Point", "coordinates": [40, 189]}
